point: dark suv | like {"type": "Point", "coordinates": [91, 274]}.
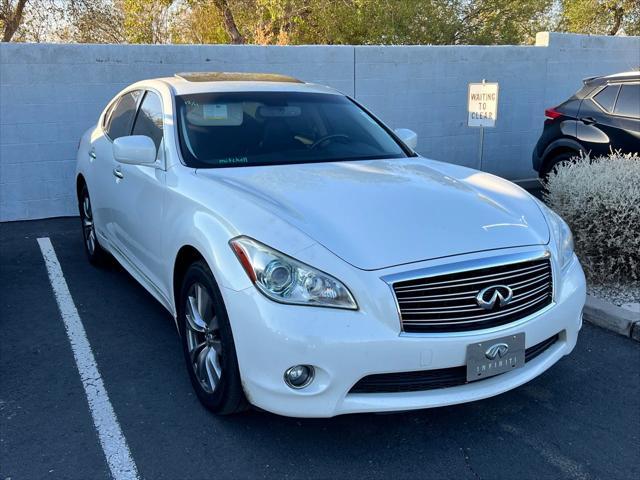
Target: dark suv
{"type": "Point", "coordinates": [603, 115]}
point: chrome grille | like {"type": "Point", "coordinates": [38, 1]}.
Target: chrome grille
{"type": "Point", "coordinates": [447, 303]}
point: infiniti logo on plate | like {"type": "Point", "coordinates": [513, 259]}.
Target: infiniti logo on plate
{"type": "Point", "coordinates": [498, 350]}
{"type": "Point", "coordinates": [495, 295]}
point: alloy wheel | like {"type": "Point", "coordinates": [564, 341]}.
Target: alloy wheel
{"type": "Point", "coordinates": [88, 227]}
{"type": "Point", "coordinates": [203, 337]}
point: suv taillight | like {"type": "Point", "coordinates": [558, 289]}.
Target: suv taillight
{"type": "Point", "coordinates": [551, 114]}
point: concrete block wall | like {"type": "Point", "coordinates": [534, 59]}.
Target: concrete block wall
{"type": "Point", "coordinates": [429, 88]}
{"type": "Point", "coordinates": [51, 93]}
{"type": "Point", "coordinates": [425, 89]}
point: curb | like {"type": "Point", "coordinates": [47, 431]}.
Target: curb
{"type": "Point", "coordinates": [614, 318]}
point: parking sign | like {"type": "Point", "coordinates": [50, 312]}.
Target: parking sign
{"type": "Point", "coordinates": [482, 104]}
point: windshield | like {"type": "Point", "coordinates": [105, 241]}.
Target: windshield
{"type": "Point", "coordinates": [268, 128]}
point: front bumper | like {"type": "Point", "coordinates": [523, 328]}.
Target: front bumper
{"type": "Point", "coordinates": [345, 346]}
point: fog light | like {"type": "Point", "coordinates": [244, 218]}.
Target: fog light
{"type": "Point", "coordinates": [299, 376]}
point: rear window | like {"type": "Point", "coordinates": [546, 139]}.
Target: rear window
{"type": "Point", "coordinates": [268, 128]}
{"type": "Point", "coordinates": [606, 97]}
{"type": "Point", "coordinates": [628, 103]}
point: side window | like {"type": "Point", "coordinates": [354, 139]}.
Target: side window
{"type": "Point", "coordinates": [149, 119]}
{"type": "Point", "coordinates": [606, 97]}
{"type": "Point", "coordinates": [107, 115]}
{"type": "Point", "coordinates": [122, 115]}
{"type": "Point", "coordinates": [628, 103]}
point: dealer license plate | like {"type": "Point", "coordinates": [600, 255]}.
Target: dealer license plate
{"type": "Point", "coordinates": [493, 357]}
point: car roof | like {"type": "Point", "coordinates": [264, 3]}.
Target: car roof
{"type": "Point", "coordinates": [207, 82]}
{"type": "Point", "coordinates": [616, 77]}
{"type": "Point", "coordinates": [235, 77]}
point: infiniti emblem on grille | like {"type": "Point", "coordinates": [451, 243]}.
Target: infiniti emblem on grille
{"type": "Point", "coordinates": [494, 296]}
{"type": "Point", "coordinates": [498, 350]}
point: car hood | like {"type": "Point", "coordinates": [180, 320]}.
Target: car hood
{"type": "Point", "coordinates": [380, 213]}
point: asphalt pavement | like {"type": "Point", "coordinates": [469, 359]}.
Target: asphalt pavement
{"type": "Point", "coordinates": [579, 420]}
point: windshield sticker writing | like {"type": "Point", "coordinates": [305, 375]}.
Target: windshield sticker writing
{"type": "Point", "coordinates": [224, 161]}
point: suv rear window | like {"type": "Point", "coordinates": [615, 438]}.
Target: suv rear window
{"type": "Point", "coordinates": [606, 98]}
{"type": "Point", "coordinates": [628, 103]}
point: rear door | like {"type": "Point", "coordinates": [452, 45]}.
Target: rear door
{"type": "Point", "coordinates": [609, 119]}
{"type": "Point", "coordinates": [596, 125]}
{"type": "Point", "coordinates": [627, 117]}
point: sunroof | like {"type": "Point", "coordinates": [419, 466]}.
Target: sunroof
{"type": "Point", "coordinates": [235, 77]}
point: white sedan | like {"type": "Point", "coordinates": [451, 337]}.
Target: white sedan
{"type": "Point", "coordinates": [316, 265]}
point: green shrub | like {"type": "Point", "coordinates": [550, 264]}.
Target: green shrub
{"type": "Point", "coordinates": [600, 200]}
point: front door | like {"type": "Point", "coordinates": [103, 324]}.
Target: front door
{"type": "Point", "coordinates": [138, 206]}
{"type": "Point", "coordinates": [117, 123]}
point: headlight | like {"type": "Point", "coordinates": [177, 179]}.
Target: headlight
{"type": "Point", "coordinates": [560, 234]}
{"type": "Point", "coordinates": [286, 280]}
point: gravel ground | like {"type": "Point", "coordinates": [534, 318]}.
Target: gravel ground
{"type": "Point", "coordinates": [617, 293]}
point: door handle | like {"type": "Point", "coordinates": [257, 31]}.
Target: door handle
{"type": "Point", "coordinates": [118, 173]}
{"type": "Point", "coordinates": [588, 120]}
{"type": "Point", "coordinates": [92, 154]}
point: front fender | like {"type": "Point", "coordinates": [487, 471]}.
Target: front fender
{"type": "Point", "coordinates": [211, 239]}
{"type": "Point", "coordinates": [205, 216]}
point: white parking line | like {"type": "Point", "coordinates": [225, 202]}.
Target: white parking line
{"type": "Point", "coordinates": [111, 438]}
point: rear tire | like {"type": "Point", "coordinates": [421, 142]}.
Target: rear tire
{"type": "Point", "coordinates": [207, 342]}
{"type": "Point", "coordinates": [559, 160]}
{"type": "Point", "coordinates": [96, 255]}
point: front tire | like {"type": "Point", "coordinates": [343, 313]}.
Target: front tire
{"type": "Point", "coordinates": [95, 253]}
{"type": "Point", "coordinates": [207, 343]}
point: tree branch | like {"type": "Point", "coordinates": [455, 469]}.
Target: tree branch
{"type": "Point", "coordinates": [229, 22]}
{"type": "Point", "coordinates": [618, 14]}
{"type": "Point", "coordinates": [12, 20]}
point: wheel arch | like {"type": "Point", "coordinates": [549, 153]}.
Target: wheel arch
{"type": "Point", "coordinates": [80, 182]}
{"type": "Point", "coordinates": [232, 398]}
{"type": "Point", "coordinates": [187, 254]}
{"type": "Point", "coordinates": [557, 147]}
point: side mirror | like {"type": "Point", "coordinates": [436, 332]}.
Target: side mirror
{"type": "Point", "coordinates": [135, 150]}
{"type": "Point", "coordinates": [409, 137]}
